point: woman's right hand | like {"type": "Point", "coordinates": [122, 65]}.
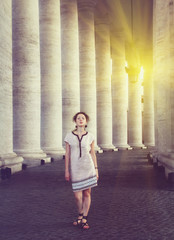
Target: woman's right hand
{"type": "Point", "coordinates": [67, 175]}
{"type": "Point", "coordinates": [97, 175]}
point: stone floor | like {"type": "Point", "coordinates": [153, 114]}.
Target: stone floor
{"type": "Point", "coordinates": [133, 201]}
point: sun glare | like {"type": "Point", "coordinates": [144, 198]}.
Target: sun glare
{"type": "Point", "coordinates": [141, 73]}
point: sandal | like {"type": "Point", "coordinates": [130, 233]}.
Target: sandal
{"type": "Point", "coordinates": [78, 221]}
{"type": "Point", "coordinates": [85, 225]}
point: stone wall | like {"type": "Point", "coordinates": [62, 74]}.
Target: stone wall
{"type": "Point", "coordinates": [163, 83]}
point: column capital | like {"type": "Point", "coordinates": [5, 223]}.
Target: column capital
{"type": "Point", "coordinates": [133, 73]}
{"type": "Point", "coordinates": [132, 70]}
{"type": "Point", "coordinates": [132, 54]}
{"type": "Point", "coordinates": [86, 4]}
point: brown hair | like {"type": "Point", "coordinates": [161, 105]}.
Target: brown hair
{"type": "Point", "coordinates": [75, 116]}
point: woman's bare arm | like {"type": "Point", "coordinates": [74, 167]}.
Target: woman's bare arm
{"type": "Point", "coordinates": [94, 158]}
{"type": "Point", "coordinates": [67, 161]}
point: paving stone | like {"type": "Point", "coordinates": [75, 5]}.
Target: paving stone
{"type": "Point", "coordinates": [132, 202]}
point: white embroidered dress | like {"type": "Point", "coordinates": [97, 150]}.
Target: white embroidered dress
{"type": "Point", "coordinates": [83, 174]}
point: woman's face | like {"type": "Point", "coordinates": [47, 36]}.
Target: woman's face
{"type": "Point", "coordinates": [81, 120]}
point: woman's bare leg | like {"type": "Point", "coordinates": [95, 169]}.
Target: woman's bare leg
{"type": "Point", "coordinates": [86, 201]}
{"type": "Point", "coordinates": [79, 203]}
{"type": "Point", "coordinates": [78, 199]}
{"type": "Point", "coordinates": [86, 206]}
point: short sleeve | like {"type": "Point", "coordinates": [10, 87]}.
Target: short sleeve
{"type": "Point", "coordinates": [92, 138]}
{"type": "Point", "coordinates": [67, 138]}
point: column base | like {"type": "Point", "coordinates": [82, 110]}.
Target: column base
{"type": "Point", "coordinates": [123, 147]}
{"type": "Point", "coordinates": [32, 159]}
{"type": "Point", "coordinates": [33, 162]}
{"type": "Point", "coordinates": [11, 161]}
{"type": "Point", "coordinates": [137, 146]}
{"type": "Point", "coordinates": [98, 149]}
{"type": "Point", "coordinates": [108, 147]}
{"type": "Point", "coordinates": [55, 154]}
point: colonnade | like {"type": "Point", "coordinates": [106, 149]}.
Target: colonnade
{"type": "Point", "coordinates": [61, 65]}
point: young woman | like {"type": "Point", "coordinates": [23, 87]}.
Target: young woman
{"type": "Point", "coordinates": [81, 166]}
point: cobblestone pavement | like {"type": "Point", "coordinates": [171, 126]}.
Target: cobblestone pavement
{"type": "Point", "coordinates": [133, 201]}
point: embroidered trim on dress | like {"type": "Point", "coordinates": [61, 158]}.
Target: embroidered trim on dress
{"type": "Point", "coordinates": [80, 139]}
{"type": "Point", "coordinates": [84, 184]}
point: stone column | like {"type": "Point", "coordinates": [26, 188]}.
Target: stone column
{"type": "Point", "coordinates": [88, 101]}
{"type": "Point", "coordinates": [134, 108]}
{"type": "Point", "coordinates": [171, 70]}
{"type": "Point", "coordinates": [164, 58]}
{"type": "Point", "coordinates": [119, 91]}
{"type": "Point", "coordinates": [161, 60]}
{"type": "Point", "coordinates": [26, 85]}
{"type": "Point", "coordinates": [7, 157]}
{"type": "Point", "coordinates": [154, 152]}
{"type": "Point", "coordinates": [148, 109]}
{"type": "Point", "coordinates": [51, 82]}
{"type": "Point", "coordinates": [103, 80]}
{"type": "Point", "coordinates": [70, 63]}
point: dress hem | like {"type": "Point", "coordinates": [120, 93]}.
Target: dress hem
{"type": "Point", "coordinates": [81, 189]}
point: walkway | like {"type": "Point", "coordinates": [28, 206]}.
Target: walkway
{"type": "Point", "coordinates": [132, 202]}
